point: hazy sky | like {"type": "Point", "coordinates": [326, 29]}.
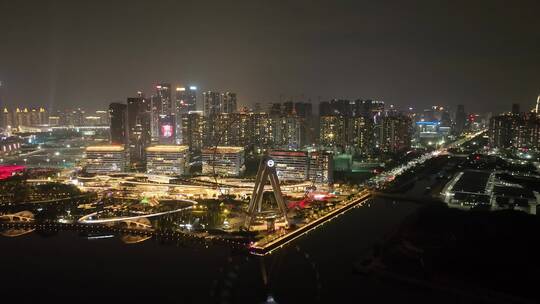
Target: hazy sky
{"type": "Point", "coordinates": [485, 54]}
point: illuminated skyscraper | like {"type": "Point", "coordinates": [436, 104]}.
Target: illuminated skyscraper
{"type": "Point", "coordinates": [261, 132]}
{"type": "Point", "coordinates": [228, 103]}
{"type": "Point", "coordinates": [360, 134]}
{"type": "Point", "coordinates": [212, 103]}
{"type": "Point", "coordinates": [461, 118]}
{"type": "Point", "coordinates": [5, 119]}
{"type": "Point", "coordinates": [527, 136]}
{"type": "Point", "coordinates": [161, 104]}
{"type": "Point", "coordinates": [291, 123]}
{"type": "Point", "coordinates": [515, 131]}
{"type": "Point", "coordinates": [287, 131]}
{"type": "Point", "coordinates": [139, 127]}
{"type": "Point", "coordinates": [395, 133]}
{"type": "Point", "coordinates": [185, 102]}
{"type": "Point", "coordinates": [163, 93]}
{"type": "Point", "coordinates": [193, 128]}
{"type": "Point", "coordinates": [333, 131]}
{"type": "Point", "coordinates": [21, 117]}
{"type": "Point", "coordinates": [119, 123]}
{"type": "Point", "coordinates": [186, 99]}
{"type": "Point", "coordinates": [501, 131]}
{"type": "Point", "coordinates": [167, 129]}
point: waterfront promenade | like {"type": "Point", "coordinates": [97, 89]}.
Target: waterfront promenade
{"type": "Point", "coordinates": [264, 247]}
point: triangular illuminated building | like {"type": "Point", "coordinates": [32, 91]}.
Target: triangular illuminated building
{"type": "Point", "coordinates": [267, 172]}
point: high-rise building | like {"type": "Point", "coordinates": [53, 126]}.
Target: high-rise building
{"type": "Point", "coordinates": [275, 109]}
{"type": "Point", "coordinates": [352, 125]}
{"type": "Point", "coordinates": [193, 128]}
{"type": "Point", "coordinates": [395, 133]}
{"type": "Point", "coordinates": [338, 107]}
{"type": "Point", "coordinates": [515, 131]}
{"type": "Point", "coordinates": [139, 127]}
{"type": "Point", "coordinates": [303, 109]}
{"type": "Point", "coordinates": [155, 110]}
{"type": "Point", "coordinates": [167, 129]}
{"type": "Point", "coordinates": [515, 109]}
{"type": "Point", "coordinates": [25, 117]}
{"type": "Point", "coordinates": [291, 124]}
{"type": "Point", "coordinates": [228, 103]}
{"type": "Point", "coordinates": [163, 93]}
{"type": "Point", "coordinates": [161, 104]}
{"type": "Point", "coordinates": [212, 103]}
{"type": "Point", "coordinates": [230, 129]}
{"type": "Point", "coordinates": [461, 118]}
{"type": "Point", "coordinates": [6, 119]}
{"type": "Point", "coordinates": [38, 117]}
{"type": "Point", "coordinates": [21, 118]}
{"type": "Point", "coordinates": [501, 131]}
{"type": "Point", "coordinates": [105, 159]}
{"type": "Point", "coordinates": [333, 131]}
{"type": "Point", "coordinates": [119, 123]}
{"type": "Point", "coordinates": [186, 100]}
{"type": "Point", "coordinates": [167, 160]}
{"type": "Point", "coordinates": [261, 130]}
{"type": "Point", "coordinates": [360, 134]}
{"type": "Point", "coordinates": [367, 107]}
{"type": "Point", "coordinates": [528, 132]}
{"type": "Point", "coordinates": [287, 131]}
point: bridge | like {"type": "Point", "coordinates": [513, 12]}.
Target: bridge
{"type": "Point", "coordinates": [22, 216]}
{"type": "Point", "coordinates": [140, 223]}
{"type": "Point", "coordinates": [88, 219]}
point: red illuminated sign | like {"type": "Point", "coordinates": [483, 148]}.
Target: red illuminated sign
{"type": "Point", "coordinates": [166, 131]}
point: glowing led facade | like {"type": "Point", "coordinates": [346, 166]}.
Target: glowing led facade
{"type": "Point", "coordinates": [223, 161]}
{"type": "Point", "coordinates": [105, 159]}
{"type": "Point", "coordinates": [167, 160]}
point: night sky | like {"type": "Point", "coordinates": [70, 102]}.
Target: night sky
{"type": "Point", "coordinates": [484, 54]}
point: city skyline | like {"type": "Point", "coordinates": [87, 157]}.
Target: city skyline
{"type": "Point", "coordinates": [306, 151]}
{"type": "Point", "coordinates": [415, 55]}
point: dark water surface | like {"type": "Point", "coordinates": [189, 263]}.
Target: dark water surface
{"type": "Point", "coordinates": [316, 268]}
